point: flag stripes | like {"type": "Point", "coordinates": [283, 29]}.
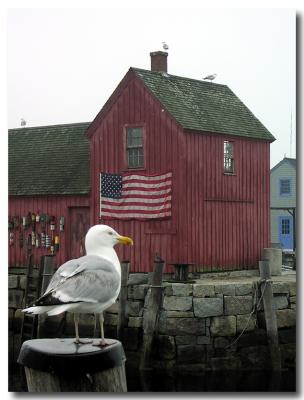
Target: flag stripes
{"type": "Point", "coordinates": [135, 196]}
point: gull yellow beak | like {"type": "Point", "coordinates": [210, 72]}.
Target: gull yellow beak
{"type": "Point", "coordinates": [125, 240]}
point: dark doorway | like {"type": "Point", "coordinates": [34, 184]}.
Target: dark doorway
{"type": "Point", "coordinates": [79, 224]}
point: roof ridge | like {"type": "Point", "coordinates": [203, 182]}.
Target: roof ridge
{"type": "Point", "coordinates": [209, 106]}
{"type": "Point", "coordinates": [179, 77]}
{"type": "Point", "coordinates": [49, 126]}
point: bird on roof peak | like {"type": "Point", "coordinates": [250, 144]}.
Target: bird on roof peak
{"type": "Point", "coordinates": [22, 122]}
{"type": "Point", "coordinates": [210, 77]}
{"type": "Point", "coordinates": [165, 46]}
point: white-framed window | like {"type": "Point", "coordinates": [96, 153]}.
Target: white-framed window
{"type": "Point", "coordinates": [135, 147]}
{"type": "Point", "coordinates": [228, 157]}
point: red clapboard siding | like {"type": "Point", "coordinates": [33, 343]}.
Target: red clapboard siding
{"type": "Point", "coordinates": [51, 205]}
{"type": "Point", "coordinates": [217, 219]}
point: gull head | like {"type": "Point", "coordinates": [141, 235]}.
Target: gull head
{"type": "Point", "coordinates": [103, 236]}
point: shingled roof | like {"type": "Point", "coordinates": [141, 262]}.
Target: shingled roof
{"type": "Point", "coordinates": [291, 161]}
{"type": "Point", "coordinates": [203, 106]}
{"type": "Point", "coordinates": [49, 160]}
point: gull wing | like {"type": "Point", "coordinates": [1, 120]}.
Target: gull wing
{"type": "Point", "coordinates": [89, 278]}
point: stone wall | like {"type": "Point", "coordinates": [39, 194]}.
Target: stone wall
{"type": "Point", "coordinates": [197, 328]}
{"type": "Point", "coordinates": [16, 288]}
{"type": "Point", "coordinates": [199, 323]}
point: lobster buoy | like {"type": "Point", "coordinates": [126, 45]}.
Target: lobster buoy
{"type": "Point", "coordinates": [33, 239]}
{"type": "Point", "coordinates": [37, 240]}
{"type": "Point", "coordinates": [47, 241]}
{"type": "Point", "coordinates": [42, 239]}
{"type": "Point", "coordinates": [56, 243]}
{"type": "Point", "coordinates": [61, 224]}
{"type": "Point", "coordinates": [53, 223]}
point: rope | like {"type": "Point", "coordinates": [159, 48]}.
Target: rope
{"type": "Point", "coordinates": [255, 308]}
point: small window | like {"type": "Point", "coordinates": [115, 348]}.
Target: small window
{"type": "Point", "coordinates": [228, 157]}
{"type": "Point", "coordinates": [285, 227]}
{"type": "Point", "coordinates": [135, 147]}
{"type": "Point", "coordinates": [285, 189]}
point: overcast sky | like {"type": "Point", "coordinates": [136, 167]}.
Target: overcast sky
{"type": "Point", "coordinates": [63, 64]}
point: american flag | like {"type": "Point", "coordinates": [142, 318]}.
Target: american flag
{"type": "Point", "coordinates": [135, 196]}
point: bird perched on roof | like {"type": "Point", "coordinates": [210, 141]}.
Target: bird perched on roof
{"type": "Point", "coordinates": [210, 77]}
{"type": "Point", "coordinates": [22, 122]}
{"type": "Point", "coordinates": [89, 284]}
{"type": "Point", "coordinates": [165, 46]}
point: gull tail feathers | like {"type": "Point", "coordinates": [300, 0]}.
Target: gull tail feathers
{"type": "Point", "coordinates": [50, 310]}
{"type": "Point", "coordinates": [37, 309]}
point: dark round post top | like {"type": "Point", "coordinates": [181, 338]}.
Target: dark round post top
{"type": "Point", "coordinates": [65, 357]}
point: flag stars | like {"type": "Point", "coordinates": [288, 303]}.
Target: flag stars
{"type": "Point", "coordinates": [111, 185]}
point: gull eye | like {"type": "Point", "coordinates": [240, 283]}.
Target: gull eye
{"type": "Point", "coordinates": [110, 233]}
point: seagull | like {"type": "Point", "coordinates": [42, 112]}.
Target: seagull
{"type": "Point", "coordinates": [210, 77]}
{"type": "Point", "coordinates": [165, 46]}
{"type": "Point", "coordinates": [22, 122]}
{"type": "Point", "coordinates": [89, 284]}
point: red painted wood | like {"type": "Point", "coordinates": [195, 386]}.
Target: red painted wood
{"type": "Point", "coordinates": [78, 225]}
{"type": "Point", "coordinates": [51, 205]}
{"type": "Point", "coordinates": [217, 219]}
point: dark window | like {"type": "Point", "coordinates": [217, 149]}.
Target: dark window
{"type": "Point", "coordinates": [228, 157]}
{"type": "Point", "coordinates": [285, 189]}
{"type": "Point", "coordinates": [285, 227]}
{"type": "Point", "coordinates": [135, 147]}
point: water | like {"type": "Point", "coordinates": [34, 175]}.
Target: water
{"type": "Point", "coordinates": [213, 381]}
{"type": "Point", "coordinates": [217, 381]}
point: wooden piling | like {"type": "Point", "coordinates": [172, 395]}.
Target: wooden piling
{"type": "Point", "coordinates": [123, 296]}
{"type": "Point", "coordinates": [150, 315]}
{"type": "Point", "coordinates": [47, 269]}
{"type": "Point", "coordinates": [270, 315]}
{"type": "Point", "coordinates": [61, 365]}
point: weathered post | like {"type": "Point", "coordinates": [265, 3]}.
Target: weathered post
{"type": "Point", "coordinates": [61, 365]}
{"type": "Point", "coordinates": [47, 273]}
{"type": "Point", "coordinates": [274, 258]}
{"type": "Point", "coordinates": [122, 315]}
{"type": "Point", "coordinates": [270, 315]}
{"type": "Point", "coordinates": [150, 315]}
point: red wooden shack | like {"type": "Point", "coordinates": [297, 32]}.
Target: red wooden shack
{"type": "Point", "coordinates": [218, 153]}
{"type": "Point", "coordinates": [154, 123]}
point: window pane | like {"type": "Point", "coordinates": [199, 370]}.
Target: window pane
{"type": "Point", "coordinates": [228, 157]}
{"type": "Point", "coordinates": [284, 186]}
{"type": "Point", "coordinates": [285, 227]}
{"type": "Point", "coordinates": [134, 137]}
{"type": "Point", "coordinates": [228, 149]}
{"type": "Point", "coordinates": [135, 153]}
{"type": "Point", "coordinates": [135, 157]}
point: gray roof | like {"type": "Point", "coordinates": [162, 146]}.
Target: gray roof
{"type": "Point", "coordinates": [49, 160]}
{"type": "Point", "coordinates": [203, 106]}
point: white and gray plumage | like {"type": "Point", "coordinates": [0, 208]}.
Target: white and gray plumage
{"type": "Point", "coordinates": [89, 284]}
{"type": "Point", "coordinates": [210, 77]}
{"type": "Point", "coordinates": [165, 46]}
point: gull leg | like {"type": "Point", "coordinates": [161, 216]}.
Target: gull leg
{"type": "Point", "coordinates": [76, 320]}
{"type": "Point", "coordinates": [101, 321]}
{"type": "Point", "coordinates": [102, 342]}
{"type": "Point", "coordinates": [95, 326]}
{"type": "Point", "coordinates": [77, 339]}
